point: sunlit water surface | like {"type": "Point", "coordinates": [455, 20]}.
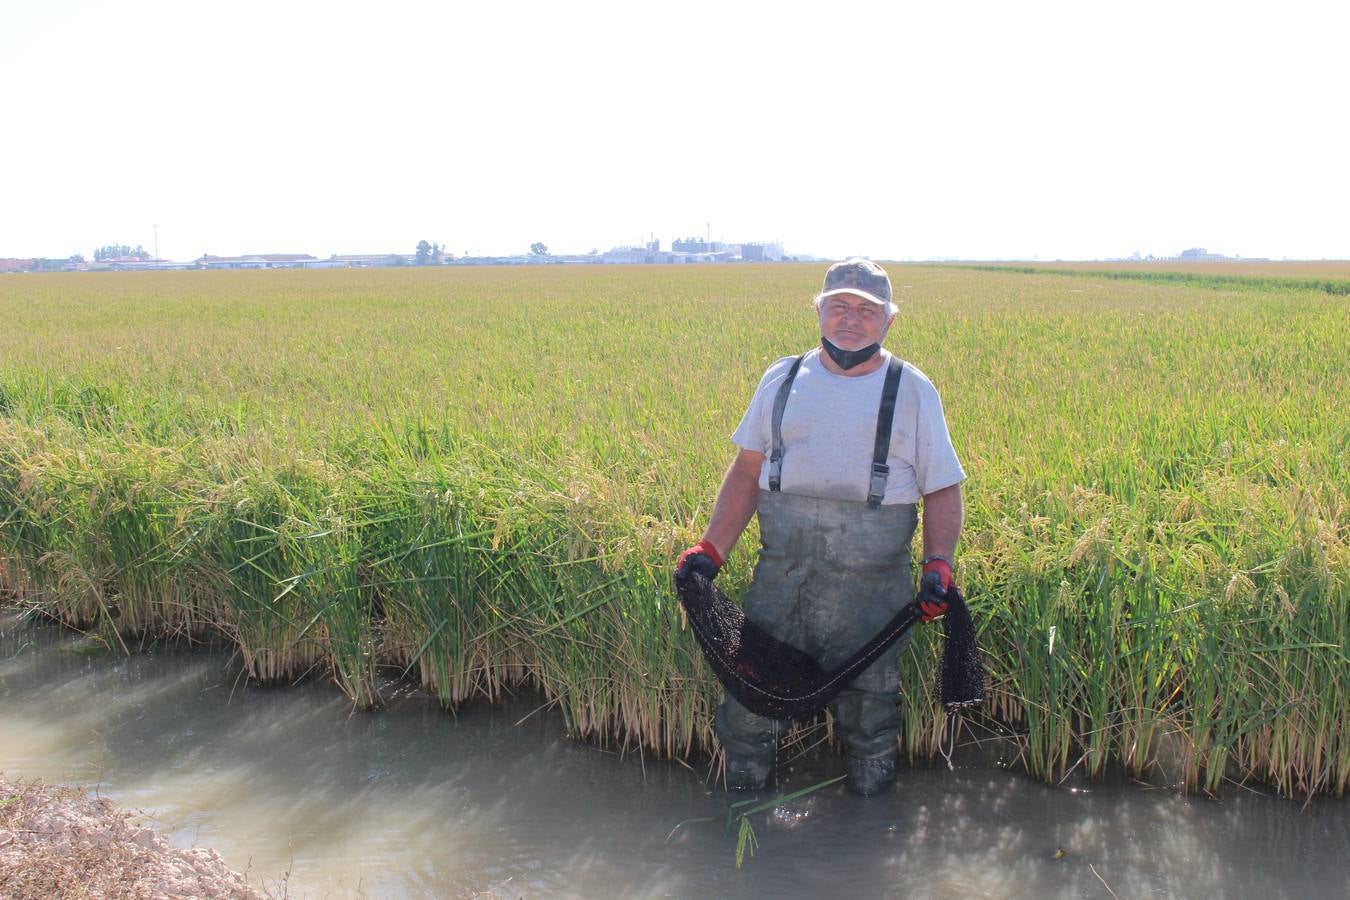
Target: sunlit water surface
{"type": "Point", "coordinates": [304, 794]}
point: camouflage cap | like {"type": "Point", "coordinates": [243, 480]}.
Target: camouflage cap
{"type": "Point", "coordinates": [858, 276]}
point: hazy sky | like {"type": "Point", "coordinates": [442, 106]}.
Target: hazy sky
{"type": "Point", "coordinates": [896, 130]}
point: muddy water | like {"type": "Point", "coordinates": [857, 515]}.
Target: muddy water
{"type": "Point", "coordinates": [301, 792]}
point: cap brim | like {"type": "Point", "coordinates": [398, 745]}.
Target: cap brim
{"type": "Point", "coordinates": [855, 291]}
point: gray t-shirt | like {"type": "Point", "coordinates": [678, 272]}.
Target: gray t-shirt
{"type": "Point", "coordinates": [830, 427]}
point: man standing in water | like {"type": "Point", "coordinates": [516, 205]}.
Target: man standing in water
{"type": "Point", "coordinates": [837, 505]}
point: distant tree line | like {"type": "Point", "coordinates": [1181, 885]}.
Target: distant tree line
{"type": "Point", "coordinates": [428, 254]}
{"type": "Point", "coordinates": [49, 265]}
{"type": "Point", "coordinates": [120, 251]}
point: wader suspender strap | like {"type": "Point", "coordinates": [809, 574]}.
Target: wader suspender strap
{"type": "Point", "coordinates": [885, 415]}
{"type": "Point", "coordinates": [780, 404]}
{"type": "Point", "coordinates": [882, 448]}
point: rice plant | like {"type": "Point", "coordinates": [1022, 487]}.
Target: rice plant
{"type": "Point", "coordinates": [478, 478]}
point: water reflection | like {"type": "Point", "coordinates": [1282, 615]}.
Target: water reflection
{"type": "Point", "coordinates": [413, 801]}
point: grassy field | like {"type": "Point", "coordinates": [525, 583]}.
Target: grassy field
{"type": "Point", "coordinates": [481, 476]}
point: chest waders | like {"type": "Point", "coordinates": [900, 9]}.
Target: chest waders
{"type": "Point", "coordinates": [832, 576]}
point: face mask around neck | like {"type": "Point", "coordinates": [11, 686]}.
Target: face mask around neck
{"type": "Point", "coordinates": [847, 359]}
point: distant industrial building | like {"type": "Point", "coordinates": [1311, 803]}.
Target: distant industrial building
{"type": "Point", "coordinates": [1196, 254]}
{"type": "Point", "coordinates": [762, 252]}
{"type": "Point", "coordinates": [693, 245]}
{"type": "Point", "coordinates": [260, 261]}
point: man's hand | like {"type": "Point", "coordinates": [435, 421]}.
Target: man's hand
{"type": "Point", "coordinates": [933, 587]}
{"type": "Point", "coordinates": [942, 566]}
{"type": "Point", "coordinates": [702, 558]}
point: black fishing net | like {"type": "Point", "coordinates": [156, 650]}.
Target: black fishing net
{"type": "Point", "coordinates": [779, 681]}
{"type": "Point", "coordinates": [961, 679]}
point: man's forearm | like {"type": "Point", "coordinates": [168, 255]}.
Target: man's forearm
{"type": "Point", "coordinates": [942, 515]}
{"type": "Point", "coordinates": [736, 502]}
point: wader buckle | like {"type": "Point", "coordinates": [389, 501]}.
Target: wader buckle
{"type": "Point", "coordinates": [880, 472]}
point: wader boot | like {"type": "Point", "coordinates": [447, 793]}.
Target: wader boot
{"type": "Point", "coordinates": [869, 776]}
{"type": "Point", "coordinates": [748, 773]}
{"type": "Point", "coordinates": [831, 574]}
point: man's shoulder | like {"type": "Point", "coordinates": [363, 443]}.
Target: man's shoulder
{"type": "Point", "coordinates": [778, 370]}
{"type": "Point", "coordinates": [918, 381]}
{"type": "Point", "coordinates": [781, 366]}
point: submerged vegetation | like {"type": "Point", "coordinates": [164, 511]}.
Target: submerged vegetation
{"type": "Point", "coordinates": [480, 477]}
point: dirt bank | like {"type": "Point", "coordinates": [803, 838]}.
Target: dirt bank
{"type": "Point", "coordinates": [63, 842]}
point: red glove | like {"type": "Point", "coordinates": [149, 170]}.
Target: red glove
{"type": "Point", "coordinates": [942, 567]}
{"type": "Point", "coordinates": [702, 558]}
{"type": "Point", "coordinates": [933, 585]}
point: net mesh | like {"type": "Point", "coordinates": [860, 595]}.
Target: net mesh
{"type": "Point", "coordinates": [779, 681]}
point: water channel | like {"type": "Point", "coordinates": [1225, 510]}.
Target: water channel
{"type": "Point", "coordinates": [303, 793]}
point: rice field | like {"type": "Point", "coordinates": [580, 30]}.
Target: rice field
{"type": "Point", "coordinates": [1293, 270]}
{"type": "Point", "coordinates": [479, 478]}
{"type": "Point", "coordinates": [1328, 276]}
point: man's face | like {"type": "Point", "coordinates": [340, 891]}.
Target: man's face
{"type": "Point", "coordinates": [851, 322]}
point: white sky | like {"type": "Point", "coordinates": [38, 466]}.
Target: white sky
{"type": "Point", "coordinates": [897, 130]}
